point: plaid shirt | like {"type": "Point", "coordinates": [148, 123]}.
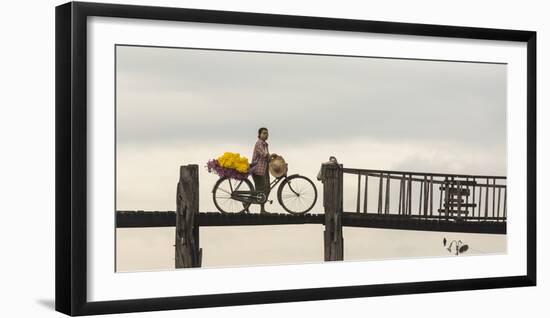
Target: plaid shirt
{"type": "Point", "coordinates": [260, 156]}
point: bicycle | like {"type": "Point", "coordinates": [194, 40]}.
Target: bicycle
{"type": "Point", "coordinates": [296, 194]}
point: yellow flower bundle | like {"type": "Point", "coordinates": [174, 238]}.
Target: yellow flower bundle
{"type": "Point", "coordinates": [234, 160]}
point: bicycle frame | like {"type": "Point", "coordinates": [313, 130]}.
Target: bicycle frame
{"type": "Point", "coordinates": [246, 195]}
{"type": "Point", "coordinates": [274, 183]}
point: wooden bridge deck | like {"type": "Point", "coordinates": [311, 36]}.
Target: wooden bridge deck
{"type": "Point", "coordinates": [125, 219]}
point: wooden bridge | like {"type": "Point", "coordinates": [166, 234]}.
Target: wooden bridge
{"type": "Point", "coordinates": [386, 199]}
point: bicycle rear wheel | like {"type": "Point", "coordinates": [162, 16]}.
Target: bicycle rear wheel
{"type": "Point", "coordinates": [222, 191]}
{"type": "Point", "coordinates": [297, 194]}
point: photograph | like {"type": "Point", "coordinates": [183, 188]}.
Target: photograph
{"type": "Point", "coordinates": [235, 158]}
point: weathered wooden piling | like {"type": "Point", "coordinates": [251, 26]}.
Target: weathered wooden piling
{"type": "Point", "coordinates": [332, 178]}
{"type": "Point", "coordinates": [188, 252]}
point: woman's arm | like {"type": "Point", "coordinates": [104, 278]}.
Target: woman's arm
{"type": "Point", "coordinates": [262, 150]}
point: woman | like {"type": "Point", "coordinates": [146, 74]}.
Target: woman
{"type": "Point", "coordinates": [259, 166]}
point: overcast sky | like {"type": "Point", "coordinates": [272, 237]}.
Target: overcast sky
{"type": "Point", "coordinates": [182, 106]}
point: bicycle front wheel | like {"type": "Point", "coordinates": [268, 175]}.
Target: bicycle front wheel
{"type": "Point", "coordinates": [222, 195]}
{"type": "Point", "coordinates": [297, 194]}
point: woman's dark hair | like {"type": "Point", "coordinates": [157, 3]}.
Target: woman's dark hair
{"type": "Point", "coordinates": [260, 131]}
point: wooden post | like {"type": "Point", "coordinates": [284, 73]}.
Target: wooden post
{"type": "Point", "coordinates": [333, 204]}
{"type": "Point", "coordinates": [486, 198]}
{"type": "Point", "coordinates": [358, 192]}
{"type": "Point", "coordinates": [380, 193]}
{"type": "Point", "coordinates": [409, 195]}
{"type": "Point", "coordinates": [400, 205]}
{"type": "Point", "coordinates": [387, 201]}
{"type": "Point", "coordinates": [188, 253]}
{"type": "Point", "coordinates": [431, 195]}
{"type": "Point", "coordinates": [365, 206]}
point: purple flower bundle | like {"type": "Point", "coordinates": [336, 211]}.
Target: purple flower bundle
{"type": "Point", "coordinates": [213, 166]}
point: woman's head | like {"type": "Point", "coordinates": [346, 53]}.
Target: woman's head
{"type": "Point", "coordinates": [263, 133]}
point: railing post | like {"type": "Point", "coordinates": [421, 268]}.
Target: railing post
{"type": "Point", "coordinates": [188, 253]}
{"type": "Point", "coordinates": [332, 178]}
{"type": "Point", "coordinates": [365, 201]}
{"type": "Point", "coordinates": [387, 201]}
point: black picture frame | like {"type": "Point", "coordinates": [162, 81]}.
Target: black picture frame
{"type": "Point", "coordinates": [71, 157]}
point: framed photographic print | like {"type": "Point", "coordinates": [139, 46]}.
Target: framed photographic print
{"type": "Point", "coordinates": [215, 158]}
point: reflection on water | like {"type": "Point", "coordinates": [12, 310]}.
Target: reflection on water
{"type": "Point", "coordinates": [153, 248]}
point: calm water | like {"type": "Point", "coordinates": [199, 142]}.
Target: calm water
{"type": "Point", "coordinates": [141, 249]}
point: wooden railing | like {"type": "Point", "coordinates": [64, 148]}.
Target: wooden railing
{"type": "Point", "coordinates": [459, 197]}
